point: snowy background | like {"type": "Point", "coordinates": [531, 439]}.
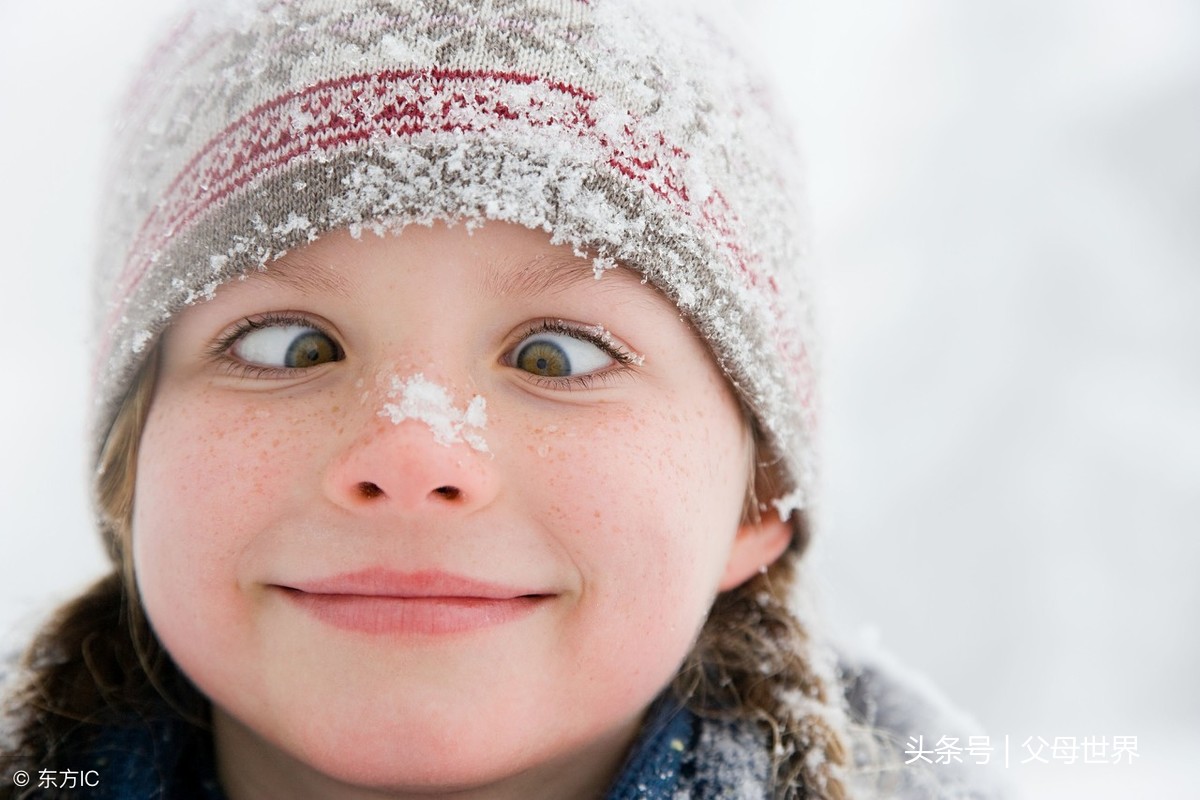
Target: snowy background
{"type": "Point", "coordinates": [1006, 197]}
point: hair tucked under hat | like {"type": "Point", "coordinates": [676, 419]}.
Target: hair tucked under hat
{"type": "Point", "coordinates": [629, 130]}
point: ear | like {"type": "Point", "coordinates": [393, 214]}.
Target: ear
{"type": "Point", "coordinates": [756, 545]}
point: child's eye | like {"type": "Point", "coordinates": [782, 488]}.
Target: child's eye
{"type": "Point", "coordinates": [558, 355]}
{"type": "Point", "coordinates": [285, 346]}
{"type": "Point", "coordinates": [556, 349]}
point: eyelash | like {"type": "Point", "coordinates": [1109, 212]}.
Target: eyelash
{"type": "Point", "coordinates": [219, 351]}
{"type": "Point", "coordinates": [588, 334]}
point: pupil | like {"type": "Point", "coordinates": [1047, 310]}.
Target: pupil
{"type": "Point", "coordinates": [541, 363]}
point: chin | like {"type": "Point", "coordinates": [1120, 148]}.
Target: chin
{"type": "Point", "coordinates": [405, 758]}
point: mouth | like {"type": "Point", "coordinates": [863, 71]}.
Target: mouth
{"type": "Point", "coordinates": [429, 603]}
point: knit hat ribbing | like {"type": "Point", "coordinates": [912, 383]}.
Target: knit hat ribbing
{"type": "Point", "coordinates": [629, 130]}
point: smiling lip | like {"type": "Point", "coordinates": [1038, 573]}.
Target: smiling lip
{"type": "Point", "coordinates": [429, 602]}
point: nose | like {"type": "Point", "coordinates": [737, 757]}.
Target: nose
{"type": "Point", "coordinates": [402, 467]}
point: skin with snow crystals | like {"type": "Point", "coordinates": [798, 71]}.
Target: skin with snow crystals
{"type": "Point", "coordinates": [478, 593]}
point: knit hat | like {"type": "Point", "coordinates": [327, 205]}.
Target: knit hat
{"type": "Point", "coordinates": [630, 130]}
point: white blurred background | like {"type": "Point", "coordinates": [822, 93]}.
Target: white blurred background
{"type": "Point", "coordinates": [1006, 201]}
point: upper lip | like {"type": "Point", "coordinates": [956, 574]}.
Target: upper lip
{"type": "Point", "coordinates": [377, 582]}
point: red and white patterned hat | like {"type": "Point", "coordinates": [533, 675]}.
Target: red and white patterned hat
{"type": "Point", "coordinates": [628, 129]}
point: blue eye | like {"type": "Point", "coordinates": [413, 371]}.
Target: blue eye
{"type": "Point", "coordinates": [286, 346]}
{"type": "Point", "coordinates": [559, 355]}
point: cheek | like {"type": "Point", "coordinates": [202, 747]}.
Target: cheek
{"type": "Point", "coordinates": [646, 503]}
{"type": "Point", "coordinates": [209, 478]}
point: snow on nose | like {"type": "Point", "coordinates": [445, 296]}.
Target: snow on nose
{"type": "Point", "coordinates": [430, 403]}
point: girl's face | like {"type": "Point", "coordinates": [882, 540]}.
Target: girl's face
{"type": "Point", "coordinates": [437, 510]}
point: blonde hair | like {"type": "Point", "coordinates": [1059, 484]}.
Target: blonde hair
{"type": "Point", "coordinates": [752, 659]}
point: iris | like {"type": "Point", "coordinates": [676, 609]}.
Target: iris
{"type": "Point", "coordinates": [309, 349]}
{"type": "Point", "coordinates": [543, 357]}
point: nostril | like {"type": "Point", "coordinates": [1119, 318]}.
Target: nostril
{"type": "Point", "coordinates": [448, 492]}
{"type": "Point", "coordinates": [369, 490]}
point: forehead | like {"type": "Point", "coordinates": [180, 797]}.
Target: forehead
{"type": "Point", "coordinates": [503, 263]}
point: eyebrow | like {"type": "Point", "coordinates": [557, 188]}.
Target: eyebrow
{"type": "Point", "coordinates": [304, 274]}
{"type": "Point", "coordinates": [545, 274]}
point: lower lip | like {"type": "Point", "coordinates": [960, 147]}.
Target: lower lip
{"type": "Point", "coordinates": [412, 615]}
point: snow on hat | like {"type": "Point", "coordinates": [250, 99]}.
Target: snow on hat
{"type": "Point", "coordinates": [628, 129]}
